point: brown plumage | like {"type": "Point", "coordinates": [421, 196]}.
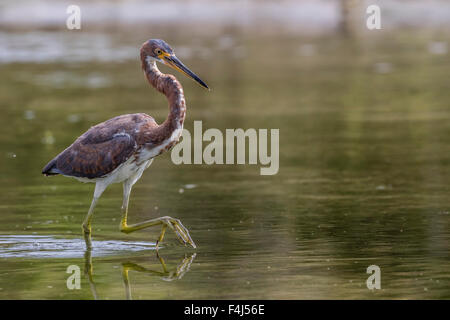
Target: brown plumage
{"type": "Point", "coordinates": [120, 149]}
{"type": "Point", "coordinates": [104, 147]}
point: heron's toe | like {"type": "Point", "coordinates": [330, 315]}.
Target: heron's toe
{"type": "Point", "coordinates": [180, 231]}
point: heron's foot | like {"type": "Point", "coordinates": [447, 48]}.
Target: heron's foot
{"type": "Point", "coordinates": [180, 231]}
{"type": "Point", "coordinates": [175, 224]}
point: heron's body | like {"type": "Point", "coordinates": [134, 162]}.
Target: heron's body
{"type": "Point", "coordinates": [120, 149]}
{"type": "Point", "coordinates": [114, 150]}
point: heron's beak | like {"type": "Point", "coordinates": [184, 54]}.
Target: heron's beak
{"type": "Point", "coordinates": [173, 62]}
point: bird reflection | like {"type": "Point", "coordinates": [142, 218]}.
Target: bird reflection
{"type": "Point", "coordinates": [165, 274]}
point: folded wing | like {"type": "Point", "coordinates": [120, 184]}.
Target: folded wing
{"type": "Point", "coordinates": [101, 149]}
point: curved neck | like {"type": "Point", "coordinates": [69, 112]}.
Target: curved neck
{"type": "Point", "coordinates": [168, 85]}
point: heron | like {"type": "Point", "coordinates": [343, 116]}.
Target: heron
{"type": "Point", "coordinates": [120, 149]}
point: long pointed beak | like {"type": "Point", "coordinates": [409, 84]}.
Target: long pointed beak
{"type": "Point", "coordinates": [173, 62]}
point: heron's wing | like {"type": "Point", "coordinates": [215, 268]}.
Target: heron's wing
{"type": "Point", "coordinates": [94, 160]}
{"type": "Point", "coordinates": [101, 149]}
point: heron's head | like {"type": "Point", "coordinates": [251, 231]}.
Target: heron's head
{"type": "Point", "coordinates": [159, 51]}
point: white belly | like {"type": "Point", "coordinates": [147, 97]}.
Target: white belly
{"type": "Point", "coordinates": [126, 170]}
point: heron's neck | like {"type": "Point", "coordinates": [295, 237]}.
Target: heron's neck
{"type": "Point", "coordinates": [168, 85]}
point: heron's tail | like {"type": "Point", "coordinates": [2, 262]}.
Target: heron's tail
{"type": "Point", "coordinates": [50, 169]}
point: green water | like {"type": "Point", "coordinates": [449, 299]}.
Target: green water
{"type": "Point", "coordinates": [363, 180]}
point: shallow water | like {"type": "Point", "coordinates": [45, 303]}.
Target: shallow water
{"type": "Point", "coordinates": [55, 248]}
{"type": "Point", "coordinates": [363, 180]}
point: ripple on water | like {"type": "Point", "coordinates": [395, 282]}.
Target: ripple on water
{"type": "Point", "coordinates": [31, 246]}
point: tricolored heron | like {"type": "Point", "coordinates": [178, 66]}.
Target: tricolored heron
{"type": "Point", "coordinates": [120, 149]}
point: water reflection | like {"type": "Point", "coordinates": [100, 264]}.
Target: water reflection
{"type": "Point", "coordinates": [164, 273]}
{"type": "Point", "coordinates": [50, 248]}
{"type": "Point", "coordinates": [167, 275]}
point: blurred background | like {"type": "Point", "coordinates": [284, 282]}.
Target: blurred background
{"type": "Point", "coordinates": [364, 148]}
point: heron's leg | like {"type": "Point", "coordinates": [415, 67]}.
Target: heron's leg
{"type": "Point", "coordinates": [99, 188]}
{"type": "Point", "coordinates": [166, 275]}
{"type": "Point", "coordinates": [126, 282]}
{"type": "Point", "coordinates": [174, 224]}
{"type": "Point", "coordinates": [87, 220]}
{"type": "Point", "coordinates": [88, 270]}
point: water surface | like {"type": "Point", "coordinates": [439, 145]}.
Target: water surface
{"type": "Point", "coordinates": [364, 170]}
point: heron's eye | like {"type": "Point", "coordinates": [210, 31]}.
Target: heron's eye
{"type": "Point", "coordinates": [158, 51]}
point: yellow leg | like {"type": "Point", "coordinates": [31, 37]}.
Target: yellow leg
{"type": "Point", "coordinates": [88, 270]}
{"type": "Point", "coordinates": [126, 282]}
{"type": "Point", "coordinates": [181, 232]}
{"type": "Point", "coordinates": [166, 275]}
{"type": "Point", "coordinates": [87, 224]}
{"type": "Point", "coordinates": [87, 240]}
{"type": "Point", "coordinates": [161, 236]}
{"type": "Point", "coordinates": [99, 188]}
{"type": "Point", "coordinates": [175, 224]}
{"type": "Point", "coordinates": [87, 220]}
